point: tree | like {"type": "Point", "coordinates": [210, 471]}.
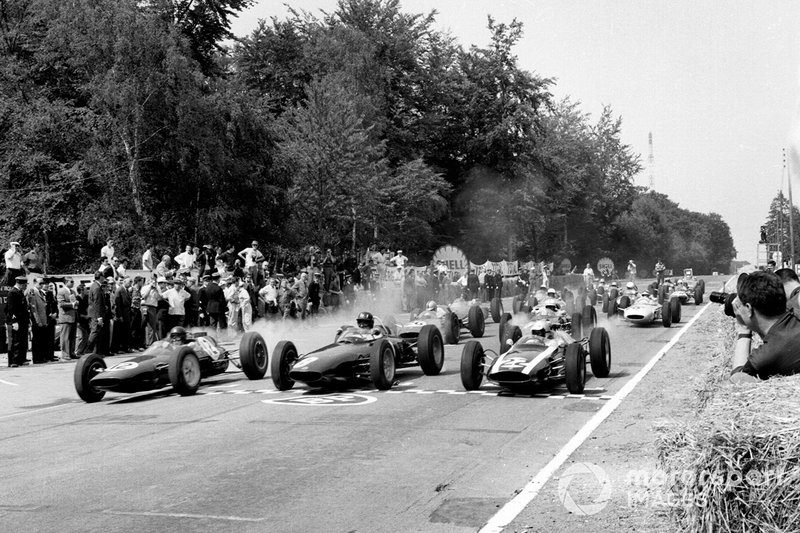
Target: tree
{"type": "Point", "coordinates": [777, 224]}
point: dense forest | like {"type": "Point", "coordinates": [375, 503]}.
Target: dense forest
{"type": "Point", "coordinates": [147, 121]}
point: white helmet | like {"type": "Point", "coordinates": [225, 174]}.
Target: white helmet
{"type": "Point", "coordinates": [630, 285]}
{"type": "Point", "coordinates": [551, 291]}
{"type": "Point", "coordinates": [430, 306]}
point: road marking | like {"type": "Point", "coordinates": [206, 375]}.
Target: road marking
{"type": "Point", "coordinates": [511, 510]}
{"type": "Point", "coordinates": [185, 515]}
{"type": "Point", "coordinates": [491, 393]}
{"type": "Point", "coordinates": [8, 383]}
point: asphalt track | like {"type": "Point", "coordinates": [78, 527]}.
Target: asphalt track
{"type": "Point", "coordinates": [241, 456]}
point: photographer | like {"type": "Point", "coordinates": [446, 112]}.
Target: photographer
{"type": "Point", "coordinates": [791, 286]}
{"type": "Point", "coordinates": [761, 307]}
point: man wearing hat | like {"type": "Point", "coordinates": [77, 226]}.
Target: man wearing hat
{"type": "Point", "coordinates": [17, 320]}
{"type": "Point", "coordinates": [215, 303]}
{"type": "Point", "coordinates": [67, 300]}
{"type": "Point", "coordinates": [13, 263]}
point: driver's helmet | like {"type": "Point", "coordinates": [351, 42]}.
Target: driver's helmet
{"type": "Point", "coordinates": [613, 283]}
{"type": "Point", "coordinates": [430, 306]}
{"type": "Point", "coordinates": [540, 328]}
{"type": "Point", "coordinates": [630, 285]}
{"type": "Point", "coordinates": [551, 292]}
{"type": "Point", "coordinates": [551, 304]}
{"type": "Point", "coordinates": [543, 287]}
{"type": "Point", "coordinates": [177, 335]}
{"type": "Point", "coordinates": [365, 320]}
{"type": "Point", "coordinates": [646, 293]}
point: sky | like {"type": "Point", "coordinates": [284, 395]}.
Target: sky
{"type": "Point", "coordinates": [716, 82]}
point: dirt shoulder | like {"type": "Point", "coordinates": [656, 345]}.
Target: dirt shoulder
{"type": "Point", "coordinates": [622, 450]}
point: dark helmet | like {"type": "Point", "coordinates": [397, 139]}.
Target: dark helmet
{"type": "Point", "coordinates": [177, 334]}
{"type": "Point", "coordinates": [365, 320]}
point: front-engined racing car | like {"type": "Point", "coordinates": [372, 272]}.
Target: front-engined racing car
{"type": "Point", "coordinates": [180, 360]}
{"type": "Point", "coordinates": [540, 357]}
{"type": "Point", "coordinates": [368, 352]}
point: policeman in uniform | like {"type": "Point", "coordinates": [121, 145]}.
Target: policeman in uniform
{"type": "Point", "coordinates": [18, 319]}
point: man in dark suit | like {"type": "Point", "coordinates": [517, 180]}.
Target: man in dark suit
{"type": "Point", "coordinates": [215, 308]}
{"type": "Point", "coordinates": [202, 301]}
{"type": "Point", "coordinates": [96, 312]}
{"type": "Point", "coordinates": [41, 340]}
{"type": "Point", "coordinates": [121, 308]}
{"type": "Point", "coordinates": [17, 319]}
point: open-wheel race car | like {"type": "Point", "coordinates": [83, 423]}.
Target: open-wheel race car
{"type": "Point", "coordinates": [368, 352]}
{"type": "Point", "coordinates": [180, 360]}
{"type": "Point", "coordinates": [688, 289]}
{"type": "Point", "coordinates": [462, 313]}
{"type": "Point", "coordinates": [511, 328]}
{"type": "Point", "coordinates": [540, 357]}
{"type": "Point", "coordinates": [646, 310]}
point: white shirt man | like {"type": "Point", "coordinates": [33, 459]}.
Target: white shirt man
{"type": "Point", "coordinates": [588, 275]}
{"type": "Point", "coordinates": [186, 259]}
{"type": "Point", "coordinates": [108, 250]}
{"type": "Point", "coordinates": [251, 256]}
{"type": "Point", "coordinates": [13, 257]}
{"type": "Point", "coordinates": [399, 260]}
{"type": "Point", "coordinates": [269, 294]}
{"type": "Point", "coordinates": [176, 297]}
{"type": "Point", "coordinates": [147, 260]}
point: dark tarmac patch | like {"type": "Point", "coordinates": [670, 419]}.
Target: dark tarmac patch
{"type": "Point", "coordinates": [467, 512]}
{"type": "Point", "coordinates": [588, 407]}
{"type": "Point", "coordinates": [54, 403]}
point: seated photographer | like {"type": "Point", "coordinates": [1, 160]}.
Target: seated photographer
{"type": "Point", "coordinates": [761, 307]}
{"type": "Point", "coordinates": [791, 286]}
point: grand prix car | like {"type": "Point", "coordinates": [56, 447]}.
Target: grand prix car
{"type": "Point", "coordinates": [688, 289]}
{"type": "Point", "coordinates": [358, 356]}
{"type": "Point", "coordinates": [535, 360]}
{"type": "Point", "coordinates": [645, 311]}
{"type": "Point", "coordinates": [557, 320]}
{"type": "Point", "coordinates": [179, 364]}
{"type": "Point", "coordinates": [462, 313]}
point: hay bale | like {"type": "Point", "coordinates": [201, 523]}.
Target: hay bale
{"type": "Point", "coordinates": [736, 466]}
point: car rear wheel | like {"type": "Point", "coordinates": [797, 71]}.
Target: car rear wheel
{"type": "Point", "coordinates": [666, 313]}
{"type": "Point", "coordinates": [253, 355]}
{"type": "Point", "coordinates": [184, 371]}
{"type": "Point", "coordinates": [496, 309]}
{"type": "Point", "coordinates": [476, 324]}
{"type": "Point", "coordinates": [382, 366]}
{"type": "Point", "coordinates": [516, 303]}
{"type": "Point", "coordinates": [283, 359]}
{"type": "Point", "coordinates": [605, 303]}
{"type": "Point", "coordinates": [589, 318]}
{"type": "Point", "coordinates": [452, 329]}
{"type": "Point", "coordinates": [575, 368]}
{"type": "Point", "coordinates": [662, 294]}
{"type": "Point", "coordinates": [575, 326]}
{"type": "Point", "coordinates": [592, 297]}
{"type": "Point", "coordinates": [472, 361]}
{"type": "Point", "coordinates": [600, 352]}
{"type": "Point", "coordinates": [624, 302]}
{"type": "Point", "coordinates": [612, 308]}
{"type": "Point", "coordinates": [698, 294]}
{"type": "Point", "coordinates": [513, 334]}
{"type": "Point", "coordinates": [88, 367]}
{"type": "Point", "coordinates": [503, 322]}
{"type": "Point", "coordinates": [430, 350]}
{"type": "Point", "coordinates": [676, 311]}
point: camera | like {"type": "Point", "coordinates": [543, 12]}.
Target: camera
{"type": "Point", "coordinates": [725, 299]}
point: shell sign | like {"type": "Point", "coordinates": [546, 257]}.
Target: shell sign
{"type": "Point", "coordinates": [453, 258]}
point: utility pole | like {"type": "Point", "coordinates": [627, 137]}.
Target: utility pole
{"type": "Point", "coordinates": [791, 208]}
{"type": "Point", "coordinates": [651, 162]}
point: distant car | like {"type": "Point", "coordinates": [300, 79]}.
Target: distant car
{"type": "Point", "coordinates": [538, 358]}
{"type": "Point", "coordinates": [688, 289]}
{"type": "Point", "coordinates": [179, 363]}
{"type": "Point", "coordinates": [462, 313]}
{"type": "Point", "coordinates": [646, 311]}
{"type": "Point", "coordinates": [359, 356]}
{"type": "Point", "coordinates": [558, 320]}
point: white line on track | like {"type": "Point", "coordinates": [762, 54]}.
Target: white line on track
{"type": "Point", "coordinates": [8, 383]}
{"type": "Point", "coordinates": [185, 515]}
{"type": "Point", "coordinates": [511, 510]}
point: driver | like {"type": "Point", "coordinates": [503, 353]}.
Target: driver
{"type": "Point", "coordinates": [178, 335]}
{"type": "Point", "coordinates": [553, 295]}
{"type": "Point", "coordinates": [541, 328]}
{"type": "Point", "coordinates": [432, 310]}
{"type": "Point", "coordinates": [630, 290]}
{"type": "Point", "coordinates": [366, 323]}
{"type": "Point", "coordinates": [645, 298]}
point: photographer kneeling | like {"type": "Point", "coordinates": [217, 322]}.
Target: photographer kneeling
{"type": "Point", "coordinates": [761, 307]}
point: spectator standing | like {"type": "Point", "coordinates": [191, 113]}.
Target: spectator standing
{"type": "Point", "coordinates": [96, 311]}
{"type": "Point", "coordinates": [164, 268]}
{"type": "Point", "coordinates": [252, 258]}
{"type": "Point", "coordinates": [82, 319]}
{"type": "Point", "coordinates": [631, 270]}
{"type": "Point", "coordinates": [38, 309]}
{"type": "Point", "coordinates": [107, 331]}
{"type": "Point", "coordinates": [314, 296]}
{"type": "Point", "coordinates": [18, 317]}
{"type": "Point", "coordinates": [245, 306]}
{"type": "Point", "coordinates": [121, 311]}
{"type": "Point", "coordinates": [588, 275]}
{"type": "Point", "coordinates": [659, 269]}
{"type": "Point", "coordinates": [176, 297]}
{"type": "Point", "coordinates": [231, 292]}
{"type": "Point", "coordinates": [192, 304]}
{"type": "Point", "coordinates": [137, 320]}
{"type": "Point", "coordinates": [120, 268]}
{"type": "Point", "coordinates": [148, 263]}
{"type": "Point", "coordinates": [151, 297]}
{"type": "Point", "coordinates": [228, 257]}
{"type": "Point", "coordinates": [300, 289]}
{"type": "Point", "coordinates": [473, 284]}
{"type": "Point", "coordinates": [67, 300]}
{"type": "Point", "coordinates": [186, 259]}
{"type": "Point", "coordinates": [269, 296]}
{"type": "Point", "coordinates": [108, 251]}
{"type": "Point", "coordinates": [206, 260]}
{"type": "Point", "coordinates": [105, 269]}
{"type": "Point", "coordinates": [32, 261]}
{"type": "Point", "coordinates": [13, 259]}
{"type": "Point", "coordinates": [215, 307]}
{"type": "Point", "coordinates": [328, 268]}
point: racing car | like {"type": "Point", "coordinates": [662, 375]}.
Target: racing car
{"type": "Point", "coordinates": [619, 301]}
{"type": "Point", "coordinates": [646, 310]}
{"type": "Point", "coordinates": [367, 352]}
{"type": "Point", "coordinates": [557, 318]}
{"type": "Point", "coordinates": [462, 313]}
{"type": "Point", "coordinates": [687, 289]}
{"type": "Point", "coordinates": [180, 360]}
{"type": "Point", "coordinates": [543, 356]}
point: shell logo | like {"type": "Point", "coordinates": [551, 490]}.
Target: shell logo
{"type": "Point", "coordinates": [453, 258]}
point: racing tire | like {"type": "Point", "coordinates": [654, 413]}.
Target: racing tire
{"type": "Point", "coordinates": [283, 358]}
{"type": "Point", "coordinates": [88, 367]}
{"type": "Point", "coordinates": [666, 313]}
{"type": "Point", "coordinates": [575, 325]}
{"type": "Point", "coordinates": [612, 308]}
{"type": "Point", "coordinates": [613, 293]}
{"type": "Point", "coordinates": [698, 294]}
{"type": "Point", "coordinates": [605, 303]}
{"type": "Point", "coordinates": [472, 361]}
{"type": "Point", "coordinates": [496, 309]}
{"type": "Point", "coordinates": [580, 298]}
{"type": "Point", "coordinates": [430, 350]}
{"type": "Point", "coordinates": [513, 334]}
{"type": "Point", "coordinates": [676, 311]}
{"type": "Point", "coordinates": [575, 368]}
{"type": "Point", "coordinates": [452, 328]}
{"type": "Point", "coordinates": [702, 284]}
{"type": "Point", "coordinates": [662, 294]}
{"type": "Point", "coordinates": [414, 314]}
{"type": "Point", "coordinates": [601, 290]}
{"type": "Point", "coordinates": [503, 321]}
{"type": "Point", "coordinates": [589, 318]}
{"type": "Point", "coordinates": [475, 321]}
{"type": "Point", "coordinates": [184, 371]}
{"type": "Point", "coordinates": [624, 302]}
{"type": "Point", "coordinates": [592, 297]}
{"type": "Point", "coordinates": [382, 365]}
{"type": "Point", "coordinates": [600, 352]}
{"type": "Point", "coordinates": [253, 355]}
{"type": "Point", "coordinates": [516, 303]}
